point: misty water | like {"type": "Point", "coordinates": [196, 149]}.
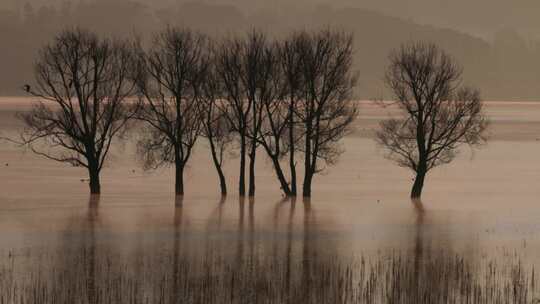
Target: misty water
{"type": "Point", "coordinates": [482, 208]}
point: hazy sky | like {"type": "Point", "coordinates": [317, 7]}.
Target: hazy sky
{"type": "Point", "coordinates": [479, 17]}
{"type": "Point", "coordinates": [504, 68]}
{"type": "Point", "coordinates": [475, 16]}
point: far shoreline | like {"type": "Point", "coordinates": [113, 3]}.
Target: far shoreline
{"type": "Point", "coordinates": [13, 100]}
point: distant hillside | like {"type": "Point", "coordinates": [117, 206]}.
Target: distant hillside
{"type": "Point", "coordinates": [376, 35]}
{"type": "Point", "coordinates": [505, 69]}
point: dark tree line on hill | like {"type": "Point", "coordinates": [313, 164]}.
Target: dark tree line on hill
{"type": "Point", "coordinates": [291, 97]}
{"type": "Point", "coordinates": [504, 68]}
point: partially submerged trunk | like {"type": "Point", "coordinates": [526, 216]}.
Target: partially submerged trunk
{"type": "Point", "coordinates": [308, 170]}
{"type": "Point", "coordinates": [274, 156]}
{"type": "Point", "coordinates": [242, 176]}
{"type": "Point", "coordinates": [252, 156]}
{"type": "Point", "coordinates": [179, 173]}
{"type": "Point", "coordinates": [179, 179]}
{"type": "Point", "coordinates": [421, 168]}
{"type": "Point", "coordinates": [308, 178]}
{"type": "Point", "coordinates": [93, 172]}
{"type": "Point", "coordinates": [281, 177]}
{"type": "Point", "coordinates": [292, 164]}
{"type": "Point", "coordinates": [418, 185]}
{"type": "Point", "coordinates": [217, 164]}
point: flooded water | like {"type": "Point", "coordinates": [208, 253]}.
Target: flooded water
{"type": "Point", "coordinates": [483, 209]}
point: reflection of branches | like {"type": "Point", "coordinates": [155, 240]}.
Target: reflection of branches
{"type": "Point", "coordinates": [177, 243]}
{"type": "Point", "coordinates": [251, 230]}
{"type": "Point", "coordinates": [93, 208]}
{"type": "Point", "coordinates": [307, 253]}
{"type": "Point", "coordinates": [418, 242]}
{"type": "Point", "coordinates": [91, 264]}
{"type": "Point", "coordinates": [288, 257]}
{"type": "Point", "coordinates": [215, 218]}
{"type": "Point", "coordinates": [419, 209]}
{"type": "Point", "coordinates": [240, 234]}
{"type": "Point", "coordinates": [275, 223]}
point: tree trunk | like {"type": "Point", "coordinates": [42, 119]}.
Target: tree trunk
{"type": "Point", "coordinates": [252, 156]}
{"type": "Point", "coordinates": [418, 185]}
{"type": "Point", "coordinates": [308, 175]}
{"type": "Point", "coordinates": [179, 180]}
{"type": "Point", "coordinates": [281, 177]}
{"type": "Point", "coordinates": [95, 186]}
{"type": "Point", "coordinates": [217, 164]}
{"type": "Point", "coordinates": [421, 168]}
{"type": "Point", "coordinates": [293, 175]}
{"type": "Point", "coordinates": [242, 178]}
{"type": "Point", "coordinates": [222, 182]}
{"type": "Point", "coordinates": [292, 164]}
{"type": "Point", "coordinates": [307, 183]}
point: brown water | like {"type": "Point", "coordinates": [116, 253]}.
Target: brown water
{"type": "Point", "coordinates": [484, 206]}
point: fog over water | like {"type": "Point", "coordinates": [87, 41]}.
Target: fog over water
{"type": "Point", "coordinates": [483, 203]}
{"type": "Point", "coordinates": [477, 225]}
{"type": "Point", "coordinates": [478, 221]}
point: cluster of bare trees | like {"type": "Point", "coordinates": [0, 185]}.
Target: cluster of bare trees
{"type": "Point", "coordinates": [290, 98]}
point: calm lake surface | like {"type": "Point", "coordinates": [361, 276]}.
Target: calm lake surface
{"type": "Point", "coordinates": [484, 206]}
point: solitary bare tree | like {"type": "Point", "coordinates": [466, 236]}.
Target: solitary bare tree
{"type": "Point", "coordinates": [82, 86]}
{"type": "Point", "coordinates": [326, 109]}
{"type": "Point", "coordinates": [170, 80]}
{"type": "Point", "coordinates": [438, 113]}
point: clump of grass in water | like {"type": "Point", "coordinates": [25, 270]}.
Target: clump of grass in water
{"type": "Point", "coordinates": [108, 278]}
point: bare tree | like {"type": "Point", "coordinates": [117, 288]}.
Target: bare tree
{"type": "Point", "coordinates": [245, 69]}
{"type": "Point", "coordinates": [326, 109]}
{"type": "Point", "coordinates": [81, 82]}
{"type": "Point", "coordinates": [290, 58]}
{"type": "Point", "coordinates": [216, 126]}
{"type": "Point", "coordinates": [438, 113]}
{"type": "Point", "coordinates": [170, 81]}
{"type": "Point", "coordinates": [275, 118]}
{"type": "Point", "coordinates": [229, 69]}
{"type": "Point", "coordinates": [257, 61]}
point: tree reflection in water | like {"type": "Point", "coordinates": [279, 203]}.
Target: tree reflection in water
{"type": "Point", "coordinates": [234, 259]}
